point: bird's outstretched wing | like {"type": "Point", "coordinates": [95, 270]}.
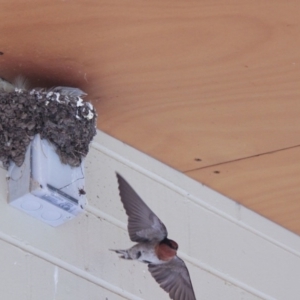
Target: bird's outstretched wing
{"type": "Point", "coordinates": [174, 278]}
{"type": "Point", "coordinates": [143, 224]}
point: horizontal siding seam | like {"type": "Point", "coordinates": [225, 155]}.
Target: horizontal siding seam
{"type": "Point", "coordinates": [104, 284]}
{"type": "Point", "coordinates": [68, 267]}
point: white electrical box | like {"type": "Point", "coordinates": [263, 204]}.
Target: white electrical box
{"type": "Point", "coordinates": [45, 188]}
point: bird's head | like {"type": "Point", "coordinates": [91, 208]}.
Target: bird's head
{"type": "Point", "coordinates": [172, 244]}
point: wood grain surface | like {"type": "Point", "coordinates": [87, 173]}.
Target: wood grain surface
{"type": "Point", "coordinates": [268, 184]}
{"type": "Point", "coordinates": [191, 83]}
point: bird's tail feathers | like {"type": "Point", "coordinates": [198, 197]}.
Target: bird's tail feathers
{"type": "Point", "coordinates": [124, 253]}
{"type": "Point", "coordinates": [21, 82]}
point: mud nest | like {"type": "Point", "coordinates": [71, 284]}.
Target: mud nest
{"type": "Point", "coordinates": [61, 118]}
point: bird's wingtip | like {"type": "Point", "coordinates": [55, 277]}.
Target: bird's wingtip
{"type": "Point", "coordinates": [119, 176]}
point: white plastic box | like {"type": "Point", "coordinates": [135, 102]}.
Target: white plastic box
{"type": "Point", "coordinates": [45, 188]}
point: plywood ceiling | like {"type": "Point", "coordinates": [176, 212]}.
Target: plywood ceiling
{"type": "Point", "coordinates": [211, 88]}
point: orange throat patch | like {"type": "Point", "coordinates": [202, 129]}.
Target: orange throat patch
{"type": "Point", "coordinates": [164, 252]}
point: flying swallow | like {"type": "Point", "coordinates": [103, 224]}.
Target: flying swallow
{"type": "Point", "coordinates": [153, 247]}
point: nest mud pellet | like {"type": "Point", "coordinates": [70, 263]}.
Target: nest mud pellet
{"type": "Point", "coordinates": [63, 119]}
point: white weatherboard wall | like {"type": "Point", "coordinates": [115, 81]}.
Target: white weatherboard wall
{"type": "Point", "coordinates": [231, 252]}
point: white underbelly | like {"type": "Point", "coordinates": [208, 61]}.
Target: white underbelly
{"type": "Point", "coordinates": [147, 254]}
